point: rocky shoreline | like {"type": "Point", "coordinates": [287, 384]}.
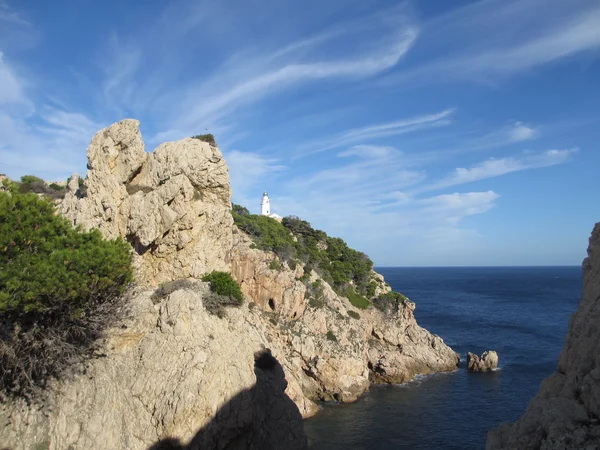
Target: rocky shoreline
{"type": "Point", "coordinates": [170, 368]}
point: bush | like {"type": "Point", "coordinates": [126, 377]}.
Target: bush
{"type": "Point", "coordinates": [357, 300]}
{"type": "Point", "coordinates": [275, 265]}
{"type": "Point", "coordinates": [267, 233]}
{"type": "Point", "coordinates": [206, 138]}
{"type": "Point", "coordinates": [331, 336]}
{"type": "Point", "coordinates": [215, 304]}
{"type": "Point", "coordinates": [240, 210]}
{"type": "Point", "coordinates": [167, 288]}
{"type": "Point", "coordinates": [221, 283]}
{"type": "Point", "coordinates": [354, 314]}
{"type": "Point", "coordinates": [59, 289]}
{"type": "Point", "coordinates": [390, 302]}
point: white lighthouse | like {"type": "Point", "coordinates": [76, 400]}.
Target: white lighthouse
{"type": "Point", "coordinates": [265, 205]}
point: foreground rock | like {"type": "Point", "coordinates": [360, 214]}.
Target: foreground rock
{"type": "Point", "coordinates": [172, 373]}
{"type": "Point", "coordinates": [487, 362]}
{"type": "Point", "coordinates": [564, 413]}
{"type": "Point", "coordinates": [172, 205]}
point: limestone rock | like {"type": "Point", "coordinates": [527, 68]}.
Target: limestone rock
{"type": "Point", "coordinates": [169, 370]}
{"type": "Point", "coordinates": [488, 361]}
{"type": "Point", "coordinates": [273, 290]}
{"type": "Point", "coordinates": [172, 205]}
{"type": "Point", "coordinates": [335, 356]}
{"type": "Point", "coordinates": [564, 413]}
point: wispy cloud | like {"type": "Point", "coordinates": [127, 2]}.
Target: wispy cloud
{"type": "Point", "coordinates": [496, 167]}
{"type": "Point", "coordinates": [511, 36]}
{"type": "Point", "coordinates": [10, 87]}
{"type": "Point", "coordinates": [372, 132]}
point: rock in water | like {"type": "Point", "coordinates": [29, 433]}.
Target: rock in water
{"type": "Point", "coordinates": [172, 205]}
{"type": "Point", "coordinates": [488, 361]}
{"type": "Point", "coordinates": [564, 413]}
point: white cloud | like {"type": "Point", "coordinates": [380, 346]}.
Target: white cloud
{"type": "Point", "coordinates": [11, 90]}
{"type": "Point", "coordinates": [496, 167]}
{"type": "Point", "coordinates": [248, 170]}
{"type": "Point", "coordinates": [488, 40]}
{"type": "Point", "coordinates": [521, 132]}
{"type": "Point", "coordinates": [371, 132]}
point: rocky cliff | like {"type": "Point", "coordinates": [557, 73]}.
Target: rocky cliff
{"type": "Point", "coordinates": [171, 372]}
{"type": "Point", "coordinates": [565, 412]}
{"type": "Point", "coordinates": [172, 205]}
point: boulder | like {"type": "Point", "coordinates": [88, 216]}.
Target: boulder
{"type": "Point", "coordinates": [488, 361]}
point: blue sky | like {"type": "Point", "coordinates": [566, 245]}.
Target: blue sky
{"type": "Point", "coordinates": [423, 133]}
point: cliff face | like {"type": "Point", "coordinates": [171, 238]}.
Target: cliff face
{"type": "Point", "coordinates": [336, 349]}
{"type": "Point", "coordinates": [171, 368]}
{"type": "Point", "coordinates": [564, 414]}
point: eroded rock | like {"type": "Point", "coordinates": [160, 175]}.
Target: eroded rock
{"type": "Point", "coordinates": [564, 413]}
{"type": "Point", "coordinates": [487, 362]}
{"type": "Point", "coordinates": [172, 205]}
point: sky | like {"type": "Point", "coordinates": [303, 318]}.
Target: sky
{"type": "Point", "coordinates": [424, 133]}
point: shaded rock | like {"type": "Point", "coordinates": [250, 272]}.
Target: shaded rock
{"type": "Point", "coordinates": [564, 413]}
{"type": "Point", "coordinates": [488, 361]}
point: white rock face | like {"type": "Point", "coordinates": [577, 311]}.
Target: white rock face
{"type": "Point", "coordinates": [564, 413]}
{"type": "Point", "coordinates": [172, 205]}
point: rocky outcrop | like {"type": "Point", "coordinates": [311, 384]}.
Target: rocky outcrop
{"type": "Point", "coordinates": [565, 412]}
{"type": "Point", "coordinates": [335, 349]}
{"type": "Point", "coordinates": [487, 362]}
{"type": "Point", "coordinates": [272, 289]}
{"type": "Point", "coordinates": [166, 371]}
{"type": "Point", "coordinates": [172, 205]}
{"type": "Point", "coordinates": [171, 373]}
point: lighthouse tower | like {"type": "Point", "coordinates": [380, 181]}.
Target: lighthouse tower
{"type": "Point", "coordinates": [265, 205]}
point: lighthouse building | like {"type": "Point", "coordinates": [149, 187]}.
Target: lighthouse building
{"type": "Point", "coordinates": [265, 207]}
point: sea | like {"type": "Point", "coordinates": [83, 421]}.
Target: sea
{"type": "Point", "coordinates": [521, 312]}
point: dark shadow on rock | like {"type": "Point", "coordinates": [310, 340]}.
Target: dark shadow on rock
{"type": "Point", "coordinates": [262, 417]}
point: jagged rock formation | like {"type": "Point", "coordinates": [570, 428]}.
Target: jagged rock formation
{"type": "Point", "coordinates": [565, 412]}
{"type": "Point", "coordinates": [488, 361]}
{"type": "Point", "coordinates": [172, 205]}
{"type": "Point", "coordinates": [166, 371]}
{"type": "Point", "coordinates": [336, 356]}
{"type": "Point", "coordinates": [171, 367]}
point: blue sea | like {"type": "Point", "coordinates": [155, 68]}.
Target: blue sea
{"type": "Point", "coordinates": [521, 312]}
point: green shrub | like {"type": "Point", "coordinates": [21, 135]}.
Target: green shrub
{"type": "Point", "coordinates": [206, 138]}
{"type": "Point", "coordinates": [354, 314]}
{"type": "Point", "coordinates": [357, 300]}
{"type": "Point", "coordinates": [59, 289]}
{"type": "Point", "coordinates": [46, 263]}
{"type": "Point", "coordinates": [331, 336]}
{"type": "Point", "coordinates": [390, 302]}
{"type": "Point", "coordinates": [221, 283]}
{"type": "Point", "coordinates": [240, 210]}
{"type": "Point", "coordinates": [275, 265]}
{"type": "Point", "coordinates": [167, 288]}
{"type": "Point", "coordinates": [267, 233]}
{"type": "Point", "coordinates": [215, 304]}
{"type": "Point", "coordinates": [295, 240]}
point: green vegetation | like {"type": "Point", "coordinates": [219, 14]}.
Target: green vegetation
{"type": "Point", "coordinates": [221, 283]}
{"type": "Point", "coordinates": [294, 240]}
{"type": "Point", "coordinates": [47, 264]}
{"type": "Point", "coordinates": [354, 314]}
{"type": "Point", "coordinates": [390, 302]}
{"type": "Point", "coordinates": [331, 336]}
{"type": "Point", "coordinates": [275, 265]}
{"type": "Point", "coordinates": [206, 138]}
{"type": "Point", "coordinates": [59, 289]}
{"type": "Point", "coordinates": [33, 184]}
{"type": "Point", "coordinates": [240, 210]}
